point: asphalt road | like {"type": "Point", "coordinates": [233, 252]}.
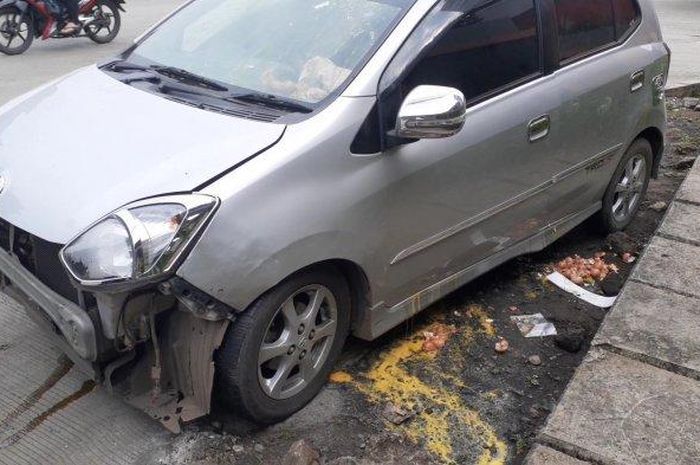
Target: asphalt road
{"type": "Point", "coordinates": [53, 58]}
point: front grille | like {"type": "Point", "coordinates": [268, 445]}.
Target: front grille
{"type": "Point", "coordinates": [40, 257]}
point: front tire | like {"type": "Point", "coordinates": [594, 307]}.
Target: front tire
{"type": "Point", "coordinates": [278, 354]}
{"type": "Point", "coordinates": [627, 188]}
{"type": "Point", "coordinates": [16, 31]}
{"type": "Point", "coordinates": [106, 22]}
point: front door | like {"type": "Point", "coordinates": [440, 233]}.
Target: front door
{"type": "Point", "coordinates": [459, 200]}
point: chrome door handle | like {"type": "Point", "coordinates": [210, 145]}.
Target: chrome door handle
{"type": "Point", "coordinates": [538, 128]}
{"type": "Point", "coordinates": [637, 81]}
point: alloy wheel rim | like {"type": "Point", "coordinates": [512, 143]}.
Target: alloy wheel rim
{"type": "Point", "coordinates": [297, 342]}
{"type": "Point", "coordinates": [628, 190]}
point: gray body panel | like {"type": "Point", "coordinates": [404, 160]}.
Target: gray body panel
{"type": "Point", "coordinates": [424, 218]}
{"type": "Point", "coordinates": [64, 171]}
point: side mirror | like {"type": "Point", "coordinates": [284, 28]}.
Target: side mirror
{"type": "Point", "coordinates": [431, 112]}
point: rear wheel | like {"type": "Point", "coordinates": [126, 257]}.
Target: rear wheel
{"type": "Point", "coordinates": [277, 356]}
{"type": "Point", "coordinates": [627, 187]}
{"type": "Point", "coordinates": [16, 35]}
{"type": "Point", "coordinates": [105, 22]}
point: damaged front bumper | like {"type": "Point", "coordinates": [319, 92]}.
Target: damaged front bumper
{"type": "Point", "coordinates": [50, 309]}
{"type": "Point", "coordinates": [169, 374]}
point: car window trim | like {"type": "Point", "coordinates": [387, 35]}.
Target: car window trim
{"type": "Point", "coordinates": [605, 47]}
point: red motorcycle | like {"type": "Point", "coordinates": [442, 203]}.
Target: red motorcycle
{"type": "Point", "coordinates": [23, 20]}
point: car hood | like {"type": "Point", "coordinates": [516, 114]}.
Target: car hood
{"type": "Point", "coordinates": [86, 144]}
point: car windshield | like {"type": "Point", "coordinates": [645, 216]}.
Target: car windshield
{"type": "Point", "coordinates": [296, 49]}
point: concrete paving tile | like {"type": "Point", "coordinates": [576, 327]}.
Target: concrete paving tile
{"type": "Point", "coordinates": [683, 221]}
{"type": "Point", "coordinates": [51, 414]}
{"type": "Point", "coordinates": [656, 323]}
{"type": "Point", "coordinates": [541, 455]}
{"type": "Point", "coordinates": [690, 189]}
{"type": "Point", "coordinates": [670, 264]}
{"type": "Point", "coordinates": [620, 411]}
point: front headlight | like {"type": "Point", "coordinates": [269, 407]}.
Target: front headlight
{"type": "Point", "coordinates": [141, 241]}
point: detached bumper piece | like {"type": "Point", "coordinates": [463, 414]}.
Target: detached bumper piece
{"type": "Point", "coordinates": [69, 319]}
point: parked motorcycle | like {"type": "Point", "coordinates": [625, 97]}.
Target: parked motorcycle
{"type": "Point", "coordinates": [23, 20]}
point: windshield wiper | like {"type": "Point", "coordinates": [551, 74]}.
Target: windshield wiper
{"type": "Point", "coordinates": [272, 101]}
{"type": "Point", "coordinates": [187, 77]}
{"type": "Point", "coordinates": [133, 72]}
{"type": "Point", "coordinates": [180, 88]}
{"type": "Point", "coordinates": [123, 65]}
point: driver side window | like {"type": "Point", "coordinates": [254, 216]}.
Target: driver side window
{"type": "Point", "coordinates": [481, 52]}
{"type": "Point", "coordinates": [489, 49]}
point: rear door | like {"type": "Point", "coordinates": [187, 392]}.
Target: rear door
{"type": "Point", "coordinates": [601, 82]}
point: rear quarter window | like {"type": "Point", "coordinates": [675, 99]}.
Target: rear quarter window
{"type": "Point", "coordinates": [584, 26]}
{"type": "Point", "coordinates": [626, 17]}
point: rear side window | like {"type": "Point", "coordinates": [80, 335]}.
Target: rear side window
{"type": "Point", "coordinates": [584, 26]}
{"type": "Point", "coordinates": [626, 17]}
{"type": "Point", "coordinates": [489, 48]}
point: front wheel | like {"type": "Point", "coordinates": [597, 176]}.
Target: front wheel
{"type": "Point", "coordinates": [627, 188]}
{"type": "Point", "coordinates": [105, 22]}
{"type": "Point", "coordinates": [278, 354]}
{"type": "Point", "coordinates": [16, 34]}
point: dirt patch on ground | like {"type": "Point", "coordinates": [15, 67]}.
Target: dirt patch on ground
{"type": "Point", "coordinates": [393, 401]}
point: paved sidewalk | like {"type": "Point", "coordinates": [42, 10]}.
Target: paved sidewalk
{"type": "Point", "coordinates": [50, 414]}
{"type": "Point", "coordinates": [679, 24]}
{"type": "Point", "coordinates": [635, 400]}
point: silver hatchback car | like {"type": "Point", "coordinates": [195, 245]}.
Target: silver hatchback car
{"type": "Point", "coordinates": [252, 181]}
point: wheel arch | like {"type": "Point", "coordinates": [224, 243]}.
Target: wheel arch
{"type": "Point", "coordinates": [354, 276]}
{"type": "Point", "coordinates": [656, 139]}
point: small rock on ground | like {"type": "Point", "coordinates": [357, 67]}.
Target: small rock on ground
{"type": "Point", "coordinates": [620, 243]}
{"type": "Point", "coordinates": [658, 206]}
{"type": "Point", "coordinates": [396, 414]}
{"type": "Point", "coordinates": [571, 344]}
{"type": "Point", "coordinates": [691, 102]}
{"type": "Point", "coordinates": [302, 452]}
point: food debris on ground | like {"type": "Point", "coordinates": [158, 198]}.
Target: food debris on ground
{"type": "Point", "coordinates": [513, 309]}
{"type": "Point", "coordinates": [628, 257]}
{"type": "Point", "coordinates": [502, 346]}
{"type": "Point", "coordinates": [340, 377]}
{"type": "Point", "coordinates": [581, 270]}
{"type": "Point", "coordinates": [395, 414]}
{"type": "Point", "coordinates": [436, 336]}
{"type": "Point", "coordinates": [535, 360]}
{"type": "Point", "coordinates": [535, 325]}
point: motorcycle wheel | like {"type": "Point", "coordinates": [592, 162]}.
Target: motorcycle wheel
{"type": "Point", "coordinates": [16, 31]}
{"type": "Point", "coordinates": [106, 22]}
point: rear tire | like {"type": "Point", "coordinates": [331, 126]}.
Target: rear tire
{"type": "Point", "coordinates": [107, 11]}
{"type": "Point", "coordinates": [16, 31]}
{"type": "Point", "coordinates": [277, 355]}
{"type": "Point", "coordinates": [627, 188]}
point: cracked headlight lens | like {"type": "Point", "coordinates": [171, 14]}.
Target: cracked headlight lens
{"type": "Point", "coordinates": [142, 241]}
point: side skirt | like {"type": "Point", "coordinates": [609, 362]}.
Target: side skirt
{"type": "Point", "coordinates": [382, 318]}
